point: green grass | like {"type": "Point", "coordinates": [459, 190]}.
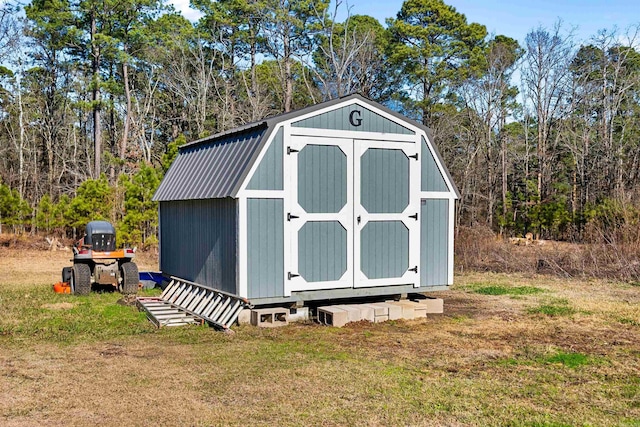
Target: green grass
{"type": "Point", "coordinates": [570, 360]}
{"type": "Point", "coordinates": [503, 290]}
{"type": "Point", "coordinates": [38, 313]}
{"type": "Point", "coordinates": [556, 307]}
{"type": "Point", "coordinates": [627, 321]}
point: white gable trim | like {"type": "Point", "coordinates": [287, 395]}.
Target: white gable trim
{"type": "Point", "coordinates": [439, 164]}
{"type": "Point", "coordinates": [242, 188]}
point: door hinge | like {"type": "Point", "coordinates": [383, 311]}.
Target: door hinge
{"type": "Point", "coordinates": [415, 216]}
{"type": "Point", "coordinates": [290, 217]}
{"type": "Point", "coordinates": [292, 150]}
{"type": "Point", "coordinates": [291, 275]}
{"type": "Point", "coordinates": [414, 269]}
{"type": "Point", "coordinates": [414, 156]}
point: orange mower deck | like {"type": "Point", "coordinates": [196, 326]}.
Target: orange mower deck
{"type": "Point", "coordinates": [62, 288]}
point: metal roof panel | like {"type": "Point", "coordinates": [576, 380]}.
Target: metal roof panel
{"type": "Point", "coordinates": [211, 168]}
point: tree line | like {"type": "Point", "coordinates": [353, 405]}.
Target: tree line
{"type": "Point", "coordinates": [96, 96]}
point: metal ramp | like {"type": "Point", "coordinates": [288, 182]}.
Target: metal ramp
{"type": "Point", "coordinates": [183, 302]}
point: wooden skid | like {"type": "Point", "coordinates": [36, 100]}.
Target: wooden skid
{"type": "Point", "coordinates": [183, 302]}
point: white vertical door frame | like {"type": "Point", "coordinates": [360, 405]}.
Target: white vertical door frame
{"type": "Point", "coordinates": [292, 228]}
{"type": "Point", "coordinates": [413, 207]}
{"type": "Point", "coordinates": [288, 176]}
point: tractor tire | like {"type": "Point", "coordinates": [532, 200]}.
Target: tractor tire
{"type": "Point", "coordinates": [130, 278]}
{"type": "Point", "coordinates": [66, 274]}
{"type": "Point", "coordinates": [81, 279]}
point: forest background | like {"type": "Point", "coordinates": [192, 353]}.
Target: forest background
{"type": "Point", "coordinates": [97, 95]}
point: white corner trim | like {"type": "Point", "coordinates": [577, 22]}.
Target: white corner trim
{"type": "Point", "coordinates": [243, 242]}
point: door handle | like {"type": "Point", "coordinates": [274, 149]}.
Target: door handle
{"type": "Point", "coordinates": [359, 218]}
{"type": "Point", "coordinates": [290, 217]}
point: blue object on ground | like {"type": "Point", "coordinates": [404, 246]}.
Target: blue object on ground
{"type": "Point", "coordinates": [155, 276]}
{"type": "Point", "coordinates": [150, 279]}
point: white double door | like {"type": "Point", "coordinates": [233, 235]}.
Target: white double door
{"type": "Point", "coordinates": [352, 213]}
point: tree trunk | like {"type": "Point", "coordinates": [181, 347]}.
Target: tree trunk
{"type": "Point", "coordinates": [127, 116]}
{"type": "Point", "coordinates": [95, 68]}
{"type": "Point", "coordinates": [21, 143]}
{"type": "Point", "coordinates": [503, 159]}
{"type": "Point", "coordinates": [253, 98]}
{"type": "Point", "coordinates": [288, 78]}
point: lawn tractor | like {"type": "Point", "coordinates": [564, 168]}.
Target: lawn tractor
{"type": "Point", "coordinates": [97, 262]}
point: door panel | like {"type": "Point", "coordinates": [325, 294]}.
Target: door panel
{"type": "Point", "coordinates": [385, 249]}
{"type": "Point", "coordinates": [384, 180]}
{"type": "Point", "coordinates": [322, 180]}
{"type": "Point", "coordinates": [322, 251]}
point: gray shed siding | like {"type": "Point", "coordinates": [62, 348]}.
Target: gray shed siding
{"type": "Point", "coordinates": [432, 179]}
{"type": "Point", "coordinates": [339, 120]}
{"type": "Point", "coordinates": [434, 242]}
{"type": "Point", "coordinates": [265, 248]}
{"type": "Point", "coordinates": [268, 175]}
{"type": "Point", "coordinates": [198, 241]}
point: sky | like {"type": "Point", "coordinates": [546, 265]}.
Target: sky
{"type": "Point", "coordinates": [514, 18]}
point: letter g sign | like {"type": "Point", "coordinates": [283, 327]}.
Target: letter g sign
{"type": "Point", "coordinates": [355, 119]}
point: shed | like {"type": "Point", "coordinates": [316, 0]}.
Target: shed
{"type": "Point", "coordinates": [343, 199]}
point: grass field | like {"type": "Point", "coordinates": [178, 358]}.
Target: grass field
{"type": "Point", "coordinates": [509, 350]}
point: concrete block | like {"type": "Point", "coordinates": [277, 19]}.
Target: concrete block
{"type": "Point", "coordinates": [379, 309]}
{"type": "Point", "coordinates": [270, 317]}
{"type": "Point", "coordinates": [408, 312]}
{"type": "Point", "coordinates": [395, 312]}
{"type": "Point", "coordinates": [379, 319]}
{"type": "Point", "coordinates": [418, 309]}
{"type": "Point", "coordinates": [332, 316]}
{"type": "Point", "coordinates": [354, 313]}
{"type": "Point", "coordinates": [366, 312]}
{"type": "Point", "coordinates": [432, 305]}
{"type": "Point", "coordinates": [244, 318]}
{"type": "Point", "coordinates": [301, 314]}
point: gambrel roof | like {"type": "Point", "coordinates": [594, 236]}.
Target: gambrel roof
{"type": "Point", "coordinates": [216, 166]}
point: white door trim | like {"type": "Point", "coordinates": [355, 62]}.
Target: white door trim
{"type": "Point", "coordinates": [292, 227]}
{"type": "Point", "coordinates": [413, 207]}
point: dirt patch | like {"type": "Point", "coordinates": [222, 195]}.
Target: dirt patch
{"type": "Point", "coordinates": [113, 350]}
{"type": "Point", "coordinates": [59, 306]}
{"type": "Point", "coordinates": [26, 267]}
{"type": "Point", "coordinates": [127, 300]}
